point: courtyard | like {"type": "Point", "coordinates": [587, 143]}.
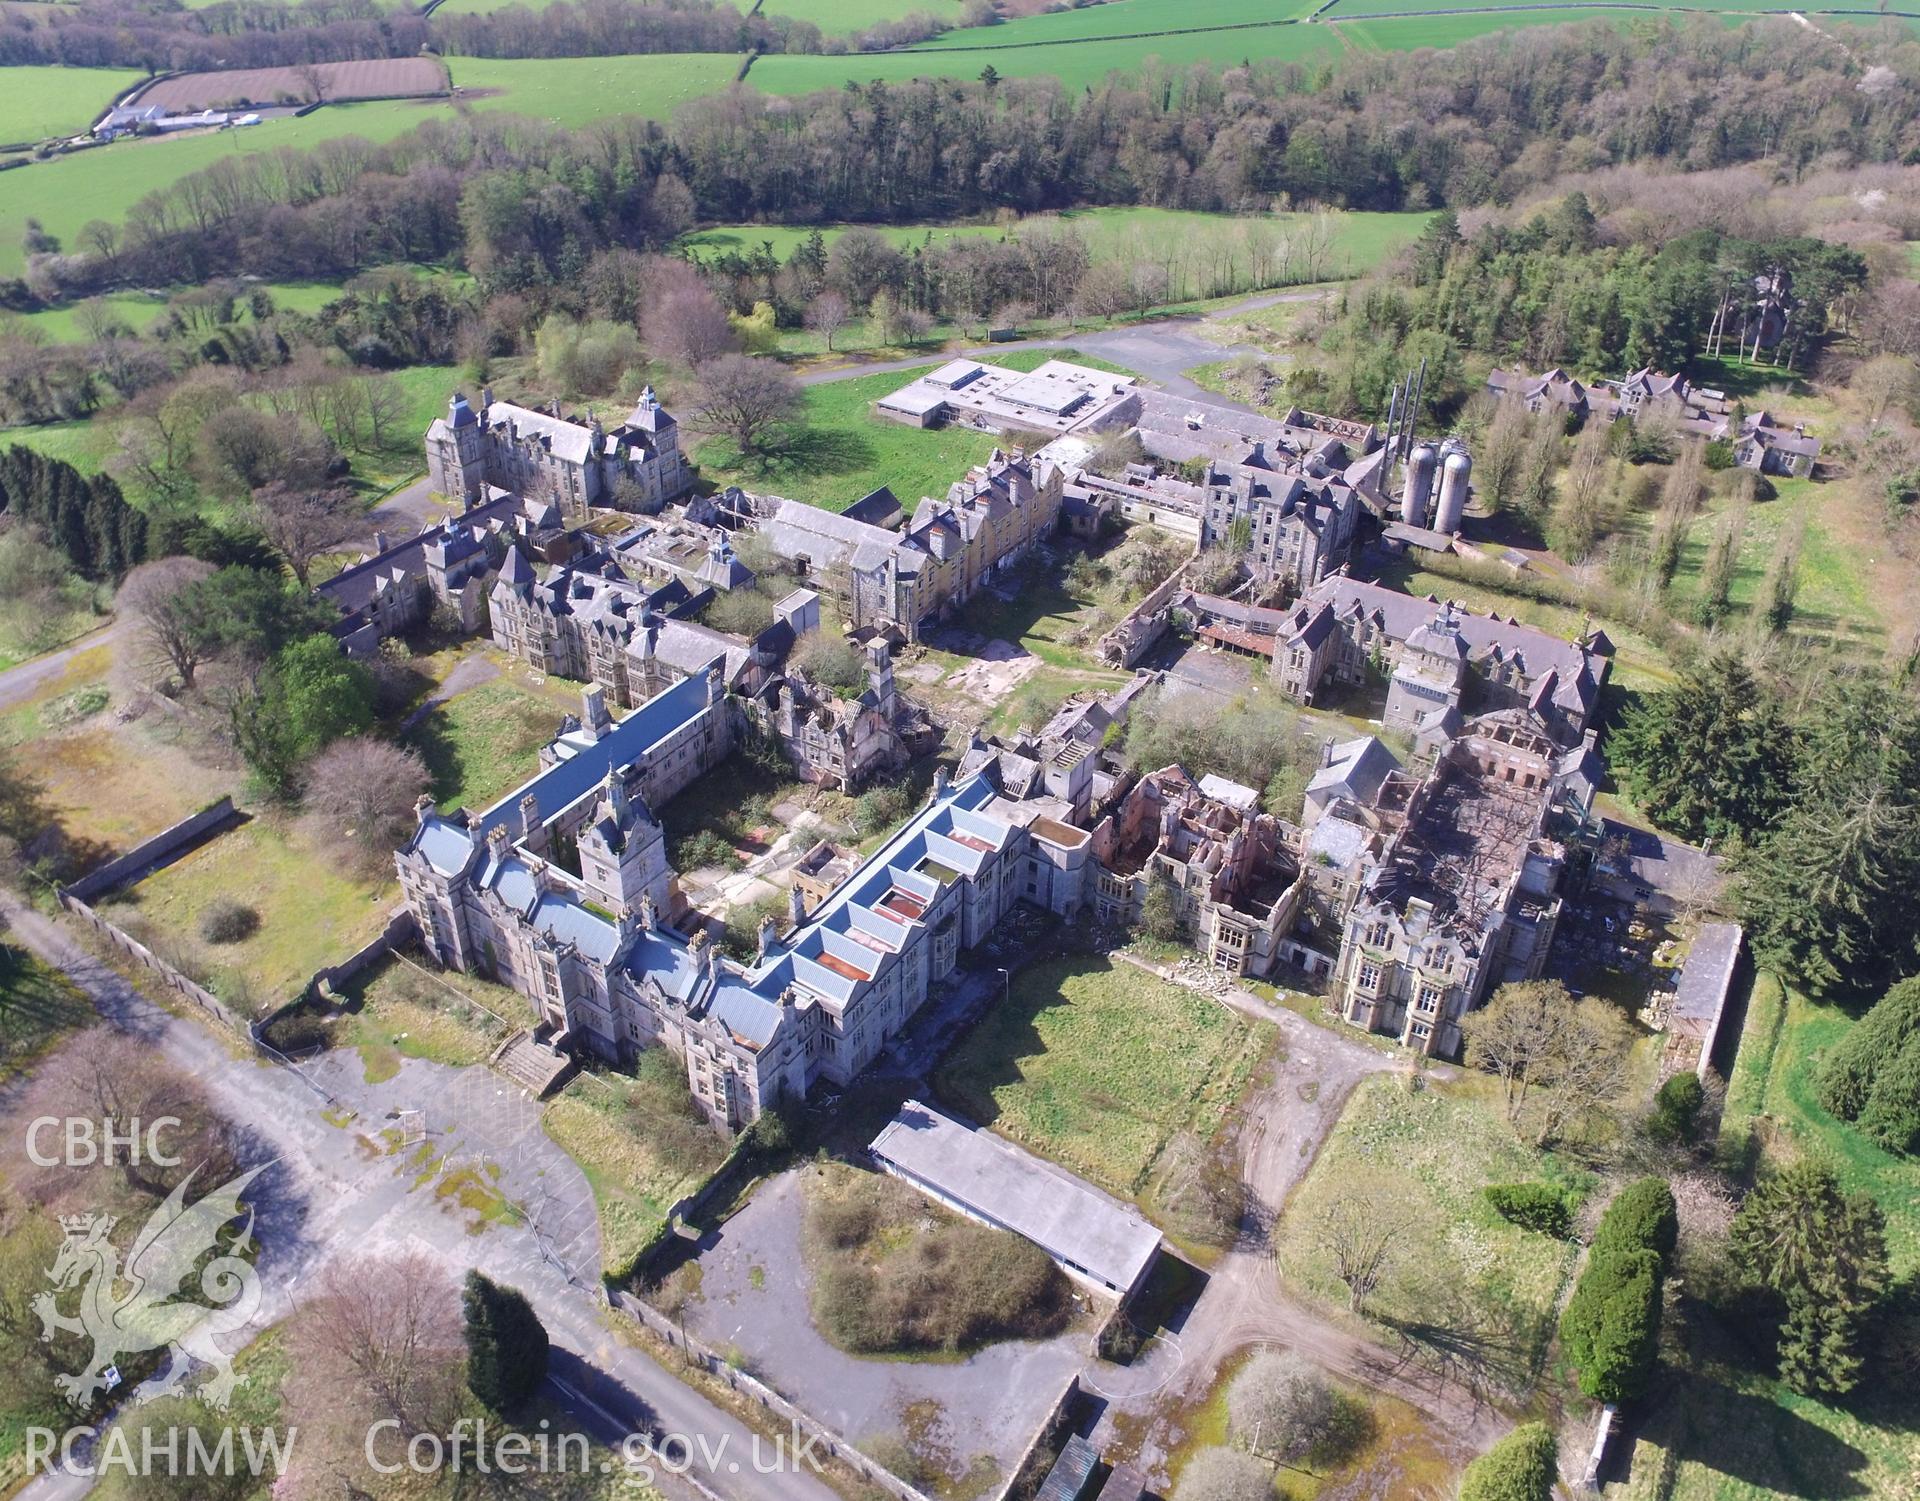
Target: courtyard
{"type": "Point", "coordinates": [1097, 1066]}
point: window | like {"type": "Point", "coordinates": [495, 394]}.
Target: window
{"type": "Point", "coordinates": [1369, 977]}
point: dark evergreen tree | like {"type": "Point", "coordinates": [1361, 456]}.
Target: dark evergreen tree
{"type": "Point", "coordinates": [1821, 1253]}
{"type": "Point", "coordinates": [1829, 891]}
{"type": "Point", "coordinates": [1872, 1076]}
{"type": "Point", "coordinates": [507, 1346]}
{"type": "Point", "coordinates": [1712, 757]}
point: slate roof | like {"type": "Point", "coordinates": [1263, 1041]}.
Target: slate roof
{"type": "Point", "coordinates": [586, 767]}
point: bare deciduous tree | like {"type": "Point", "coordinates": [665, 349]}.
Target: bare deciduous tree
{"type": "Point", "coordinates": [302, 522]}
{"type": "Point", "coordinates": [158, 596]}
{"type": "Point", "coordinates": [387, 1329]}
{"type": "Point", "coordinates": [685, 323]}
{"type": "Point", "coordinates": [366, 789]}
{"type": "Point", "coordinates": [1567, 1057]}
{"type": "Point", "coordinates": [828, 314]}
{"type": "Point", "coordinates": [1280, 1405]}
{"type": "Point", "coordinates": [748, 400]}
{"type": "Point", "coordinates": [1361, 1229]}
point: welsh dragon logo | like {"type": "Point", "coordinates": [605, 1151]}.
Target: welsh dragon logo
{"type": "Point", "coordinates": [155, 1310]}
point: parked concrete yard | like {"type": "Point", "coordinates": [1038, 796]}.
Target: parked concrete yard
{"type": "Point", "coordinates": [973, 1418]}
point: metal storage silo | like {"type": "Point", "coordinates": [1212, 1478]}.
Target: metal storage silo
{"type": "Point", "coordinates": [1453, 489]}
{"type": "Point", "coordinates": [1420, 466]}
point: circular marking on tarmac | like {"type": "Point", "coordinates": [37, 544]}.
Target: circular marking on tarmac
{"type": "Point", "coordinates": [1179, 1364]}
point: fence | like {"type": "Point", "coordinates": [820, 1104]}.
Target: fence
{"type": "Point", "coordinates": [124, 870]}
{"type": "Point", "coordinates": [137, 951]}
{"type": "Point", "coordinates": [832, 1443]}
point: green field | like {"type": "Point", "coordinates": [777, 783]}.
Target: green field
{"type": "Point", "coordinates": [104, 182]}
{"type": "Point", "coordinates": [1126, 18]}
{"type": "Point", "coordinates": [138, 310]}
{"type": "Point", "coordinates": [1492, 1285]}
{"type": "Point", "coordinates": [847, 17]}
{"type": "Point", "coordinates": [576, 91]}
{"type": "Point", "coordinates": [36, 103]}
{"type": "Point", "coordinates": [1096, 1065]}
{"type": "Point", "coordinates": [1076, 64]}
{"type": "Point", "coordinates": [1340, 10]}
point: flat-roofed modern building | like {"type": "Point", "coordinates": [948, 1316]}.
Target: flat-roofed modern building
{"type": "Point", "coordinates": [1093, 1238]}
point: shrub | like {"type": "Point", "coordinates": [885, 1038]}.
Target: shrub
{"type": "Point", "coordinates": [1620, 1360]}
{"type": "Point", "coordinates": [1718, 455]}
{"type": "Point", "coordinates": [1676, 1108]}
{"type": "Point", "coordinates": [1642, 1217]}
{"type": "Point", "coordinates": [879, 808]}
{"type": "Point", "coordinates": [1532, 1206]}
{"type": "Point", "coordinates": [229, 922]}
{"type": "Point", "coordinates": [1606, 1274]}
{"type": "Point", "coordinates": [1892, 1113]}
{"type": "Point", "coordinates": [1280, 1405]}
{"type": "Point", "coordinates": [1521, 1467]}
{"type": "Point", "coordinates": [705, 848]}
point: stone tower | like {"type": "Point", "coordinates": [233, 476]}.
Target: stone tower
{"type": "Point", "coordinates": [623, 852]}
{"type": "Point", "coordinates": [457, 464]}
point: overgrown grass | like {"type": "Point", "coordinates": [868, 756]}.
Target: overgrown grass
{"type": "Point", "coordinates": [1096, 1064]}
{"type": "Point", "coordinates": [1465, 1280]}
{"type": "Point", "coordinates": [483, 743]}
{"type": "Point", "coordinates": [895, 1274]}
{"type": "Point", "coordinates": [642, 1143]}
{"type": "Point", "coordinates": [312, 912]}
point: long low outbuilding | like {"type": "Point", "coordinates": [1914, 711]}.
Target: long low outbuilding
{"type": "Point", "coordinates": [1093, 1238]}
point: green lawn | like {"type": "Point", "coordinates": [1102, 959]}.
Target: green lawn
{"type": "Point", "coordinates": [36, 103]}
{"type": "Point", "coordinates": [1077, 65]}
{"type": "Point", "coordinates": [579, 90]}
{"type": "Point", "coordinates": [483, 743]}
{"type": "Point", "coordinates": [312, 911]}
{"type": "Point", "coordinates": [845, 452]}
{"type": "Point", "coordinates": [1463, 1274]}
{"type": "Point", "coordinates": [139, 310]}
{"type": "Point", "coordinates": [1733, 1434]}
{"type": "Point", "coordinates": [1096, 1064]}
